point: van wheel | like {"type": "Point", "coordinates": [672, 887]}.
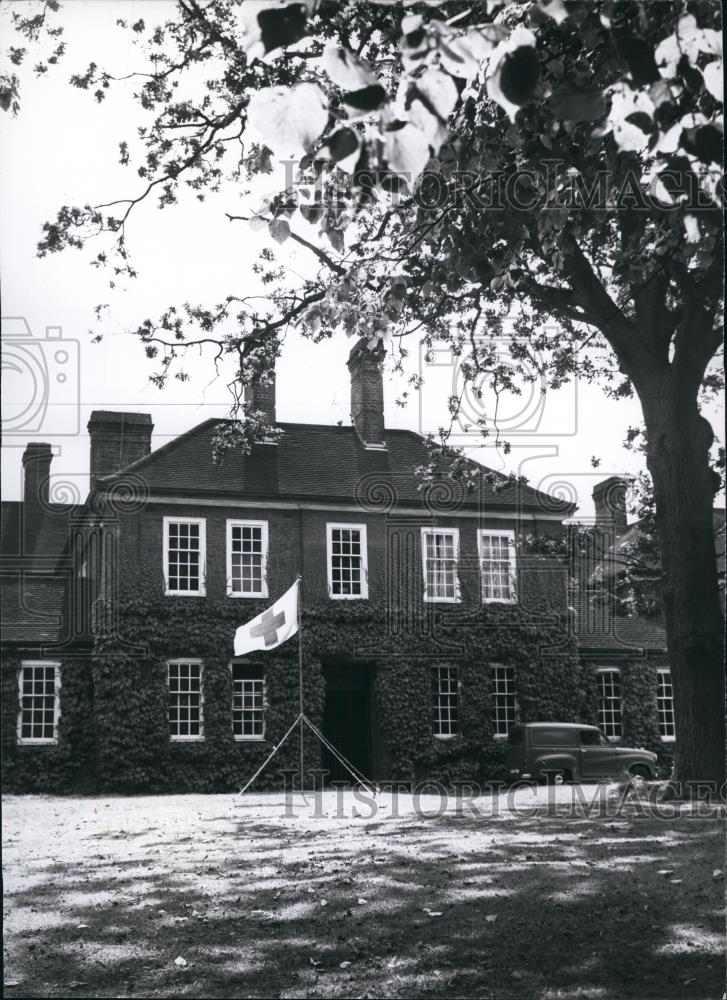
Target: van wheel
{"type": "Point", "coordinates": [640, 771]}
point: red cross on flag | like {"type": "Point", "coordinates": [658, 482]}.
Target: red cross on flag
{"type": "Point", "coordinates": [272, 627]}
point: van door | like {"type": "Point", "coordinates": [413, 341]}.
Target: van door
{"type": "Point", "coordinates": [516, 755]}
{"type": "Point", "coordinates": [598, 756]}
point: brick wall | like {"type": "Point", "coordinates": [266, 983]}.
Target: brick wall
{"type": "Point", "coordinates": [297, 544]}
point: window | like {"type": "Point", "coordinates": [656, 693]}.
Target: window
{"type": "Point", "coordinates": [503, 699]}
{"type": "Point", "coordinates": [609, 704]}
{"type": "Point", "coordinates": [248, 702]}
{"type": "Point", "coordinates": [247, 556]}
{"type": "Point", "coordinates": [665, 705]}
{"type": "Point", "coordinates": [184, 559]}
{"type": "Point", "coordinates": [440, 550]}
{"type": "Point", "coordinates": [185, 700]}
{"type": "Point", "coordinates": [497, 565]}
{"type": "Point", "coordinates": [39, 696]}
{"type": "Point", "coordinates": [592, 738]}
{"type": "Point", "coordinates": [554, 738]}
{"type": "Point", "coordinates": [445, 701]}
{"type": "Point", "coordinates": [347, 562]}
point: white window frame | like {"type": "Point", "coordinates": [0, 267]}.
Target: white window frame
{"type": "Point", "coordinates": [244, 523]}
{"type": "Point", "coordinates": [437, 717]}
{"type": "Point", "coordinates": [39, 740]}
{"type": "Point", "coordinates": [499, 533]}
{"type": "Point", "coordinates": [201, 591]}
{"type": "Point", "coordinates": [192, 661]}
{"type": "Point", "coordinates": [242, 738]}
{"type": "Point", "coordinates": [429, 598]}
{"type": "Point", "coordinates": [602, 713]}
{"type": "Point", "coordinates": [659, 698]}
{"type": "Point", "coordinates": [495, 692]}
{"type": "Point", "coordinates": [348, 526]}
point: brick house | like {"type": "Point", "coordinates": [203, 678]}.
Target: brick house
{"type": "Point", "coordinates": [429, 627]}
{"type": "Point", "coordinates": [626, 653]}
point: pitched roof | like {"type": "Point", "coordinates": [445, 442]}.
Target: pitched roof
{"type": "Point", "coordinates": [321, 462]}
{"type": "Point", "coordinates": [32, 577]}
{"type": "Point", "coordinates": [624, 635]}
{"type": "Point", "coordinates": [616, 555]}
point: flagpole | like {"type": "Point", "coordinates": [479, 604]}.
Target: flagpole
{"type": "Point", "coordinates": [300, 674]}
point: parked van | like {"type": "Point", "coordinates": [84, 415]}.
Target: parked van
{"type": "Point", "coordinates": [569, 752]}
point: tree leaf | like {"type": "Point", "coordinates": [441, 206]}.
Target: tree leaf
{"type": "Point", "coordinates": [311, 213]}
{"type": "Point", "coordinates": [279, 230]}
{"type": "Point", "coordinates": [407, 152]}
{"type": "Point", "coordinates": [462, 55]}
{"type": "Point", "coordinates": [366, 99]}
{"type": "Point", "coordinates": [514, 71]}
{"type": "Point", "coordinates": [571, 104]}
{"type": "Point", "coordinates": [705, 142]}
{"type": "Point", "coordinates": [346, 69]}
{"type": "Point", "coordinates": [437, 92]}
{"type": "Point", "coordinates": [553, 8]}
{"type": "Point", "coordinates": [713, 74]}
{"type": "Point", "coordinates": [281, 26]}
{"type": "Point", "coordinates": [289, 119]}
{"type": "Point", "coordinates": [344, 146]}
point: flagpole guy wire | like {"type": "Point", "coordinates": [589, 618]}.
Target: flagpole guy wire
{"type": "Point", "coordinates": [302, 720]}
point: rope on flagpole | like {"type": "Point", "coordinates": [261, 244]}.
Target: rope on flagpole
{"type": "Point", "coordinates": [269, 757]}
{"type": "Point", "coordinates": [352, 770]}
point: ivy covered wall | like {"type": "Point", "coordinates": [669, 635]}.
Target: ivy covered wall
{"type": "Point", "coordinates": [114, 730]}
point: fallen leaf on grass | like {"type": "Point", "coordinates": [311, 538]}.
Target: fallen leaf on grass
{"type": "Point", "coordinates": [344, 965]}
{"type": "Point", "coordinates": [432, 913]}
{"type": "Point", "coordinates": [676, 881]}
{"type": "Point", "coordinates": [717, 873]}
{"type": "Point", "coordinates": [361, 900]}
{"type": "Point", "coordinates": [491, 918]}
{"type": "Point", "coordinates": [665, 872]}
{"type": "Point", "coordinates": [82, 927]}
{"type": "Point", "coordinates": [181, 962]}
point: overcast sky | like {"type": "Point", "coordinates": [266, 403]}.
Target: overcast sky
{"type": "Point", "coordinates": [63, 149]}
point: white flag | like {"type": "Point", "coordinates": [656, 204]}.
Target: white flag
{"type": "Point", "coordinates": [272, 627]}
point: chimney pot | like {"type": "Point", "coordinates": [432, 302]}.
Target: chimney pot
{"type": "Point", "coordinates": [117, 440]}
{"type": "Point", "coordinates": [261, 396]}
{"type": "Point", "coordinates": [367, 392]}
{"type": "Point", "coordinates": [609, 500]}
{"type": "Point", "coordinates": [36, 469]}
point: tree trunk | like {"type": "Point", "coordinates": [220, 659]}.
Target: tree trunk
{"type": "Point", "coordinates": [678, 442]}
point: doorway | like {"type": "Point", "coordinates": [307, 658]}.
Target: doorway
{"type": "Point", "coordinates": [350, 720]}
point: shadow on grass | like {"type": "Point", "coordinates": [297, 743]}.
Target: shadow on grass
{"type": "Point", "coordinates": [536, 907]}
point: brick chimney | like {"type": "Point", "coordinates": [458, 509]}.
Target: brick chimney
{"type": "Point", "coordinates": [609, 499]}
{"type": "Point", "coordinates": [36, 468]}
{"type": "Point", "coordinates": [262, 397]}
{"type": "Point", "coordinates": [117, 440]}
{"type": "Point", "coordinates": [367, 393]}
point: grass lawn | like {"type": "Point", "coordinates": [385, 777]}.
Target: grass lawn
{"type": "Point", "coordinates": [102, 895]}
